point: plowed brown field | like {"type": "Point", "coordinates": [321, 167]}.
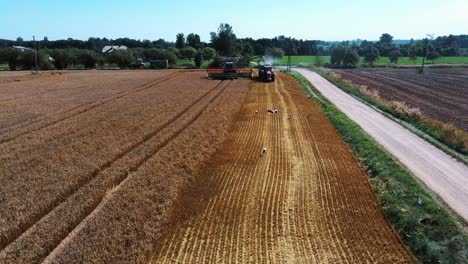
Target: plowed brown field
{"type": "Point", "coordinates": [441, 94]}
{"type": "Point", "coordinates": [305, 201]}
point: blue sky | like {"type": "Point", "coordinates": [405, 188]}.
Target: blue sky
{"type": "Point", "coordinates": [145, 19]}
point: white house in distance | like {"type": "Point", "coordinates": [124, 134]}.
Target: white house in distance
{"type": "Point", "coordinates": [21, 48]}
{"type": "Point", "coordinates": [109, 49]}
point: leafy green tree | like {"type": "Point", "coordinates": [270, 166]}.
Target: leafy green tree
{"type": "Point", "coordinates": [193, 40]}
{"type": "Point", "coordinates": [394, 56]}
{"type": "Point", "coordinates": [44, 60]}
{"type": "Point", "coordinates": [217, 62]}
{"type": "Point", "coordinates": [27, 60]}
{"type": "Point", "coordinates": [62, 58]}
{"type": "Point", "coordinates": [199, 59]}
{"type": "Point", "coordinates": [433, 55]}
{"type": "Point", "coordinates": [121, 57]}
{"type": "Point", "coordinates": [344, 56]}
{"type": "Point", "coordinates": [10, 56]}
{"type": "Point", "coordinates": [89, 59]}
{"type": "Point", "coordinates": [412, 54]}
{"type": "Point", "coordinates": [351, 58]}
{"type": "Point", "coordinates": [385, 44]}
{"type": "Point", "coordinates": [224, 41]}
{"type": "Point", "coordinates": [19, 41]}
{"type": "Point", "coordinates": [247, 50]}
{"type": "Point", "coordinates": [208, 53]}
{"type": "Point", "coordinates": [187, 53]}
{"type": "Point", "coordinates": [180, 41]}
{"type": "Point", "coordinates": [371, 55]}
{"type": "Point", "coordinates": [337, 55]}
{"type": "Point", "coordinates": [386, 38]}
{"type": "Point", "coordinates": [174, 51]}
{"type": "Point", "coordinates": [274, 52]}
{"type": "Point", "coordinates": [318, 61]}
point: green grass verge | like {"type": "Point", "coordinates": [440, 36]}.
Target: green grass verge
{"type": "Point", "coordinates": [381, 60]}
{"type": "Point", "coordinates": [4, 67]}
{"type": "Point", "coordinates": [443, 239]}
{"type": "Point", "coordinates": [436, 136]}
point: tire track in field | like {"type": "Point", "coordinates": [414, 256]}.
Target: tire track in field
{"type": "Point", "coordinates": [15, 234]}
{"type": "Point", "coordinates": [175, 252]}
{"type": "Point", "coordinates": [295, 205]}
{"type": "Point", "coordinates": [88, 107]}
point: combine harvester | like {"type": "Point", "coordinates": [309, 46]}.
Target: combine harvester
{"type": "Point", "coordinates": [229, 71]}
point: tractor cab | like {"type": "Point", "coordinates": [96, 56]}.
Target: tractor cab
{"type": "Point", "coordinates": [230, 67]}
{"type": "Point", "coordinates": [266, 73]}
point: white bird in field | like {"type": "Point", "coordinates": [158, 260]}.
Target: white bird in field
{"type": "Point", "coordinates": [264, 150]}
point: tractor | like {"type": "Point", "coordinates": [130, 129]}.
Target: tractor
{"type": "Point", "coordinates": [266, 73]}
{"type": "Point", "coordinates": [138, 64]}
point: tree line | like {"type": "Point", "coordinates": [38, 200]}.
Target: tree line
{"type": "Point", "coordinates": [348, 54]}
{"type": "Point", "coordinates": [60, 54]}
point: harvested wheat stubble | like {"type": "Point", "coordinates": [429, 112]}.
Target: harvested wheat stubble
{"type": "Point", "coordinates": [61, 174]}
{"type": "Point", "coordinates": [441, 94]}
{"type": "Point", "coordinates": [306, 201]}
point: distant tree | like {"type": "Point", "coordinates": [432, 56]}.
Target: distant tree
{"type": "Point", "coordinates": [371, 55]}
{"type": "Point", "coordinates": [351, 58]}
{"type": "Point", "coordinates": [394, 56]}
{"type": "Point", "coordinates": [10, 56]}
{"type": "Point", "coordinates": [274, 52]}
{"type": "Point", "coordinates": [62, 58]}
{"type": "Point", "coordinates": [121, 57]}
{"type": "Point", "coordinates": [208, 53]}
{"type": "Point", "coordinates": [19, 41]}
{"type": "Point", "coordinates": [45, 42]}
{"type": "Point", "coordinates": [26, 60]}
{"type": "Point", "coordinates": [216, 62]}
{"type": "Point", "coordinates": [174, 51]}
{"type": "Point", "coordinates": [224, 41]}
{"type": "Point", "coordinates": [386, 38]}
{"type": "Point", "coordinates": [318, 61]}
{"type": "Point", "coordinates": [247, 50]}
{"type": "Point", "coordinates": [187, 53]}
{"type": "Point", "coordinates": [180, 41]}
{"type": "Point", "coordinates": [385, 44]}
{"type": "Point", "coordinates": [89, 58]}
{"type": "Point", "coordinates": [170, 57]}
{"type": "Point", "coordinates": [198, 59]}
{"type": "Point", "coordinates": [193, 40]}
{"type": "Point", "coordinates": [337, 55]}
{"type": "Point", "coordinates": [412, 54]}
{"type": "Point", "coordinates": [433, 55]}
{"type": "Point", "coordinates": [344, 56]}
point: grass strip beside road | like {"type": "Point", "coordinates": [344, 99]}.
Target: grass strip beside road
{"type": "Point", "coordinates": [440, 238]}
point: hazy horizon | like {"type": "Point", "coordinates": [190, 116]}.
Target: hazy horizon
{"type": "Point", "coordinates": [335, 20]}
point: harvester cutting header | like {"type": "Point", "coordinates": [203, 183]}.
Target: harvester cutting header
{"type": "Point", "coordinates": [230, 70]}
